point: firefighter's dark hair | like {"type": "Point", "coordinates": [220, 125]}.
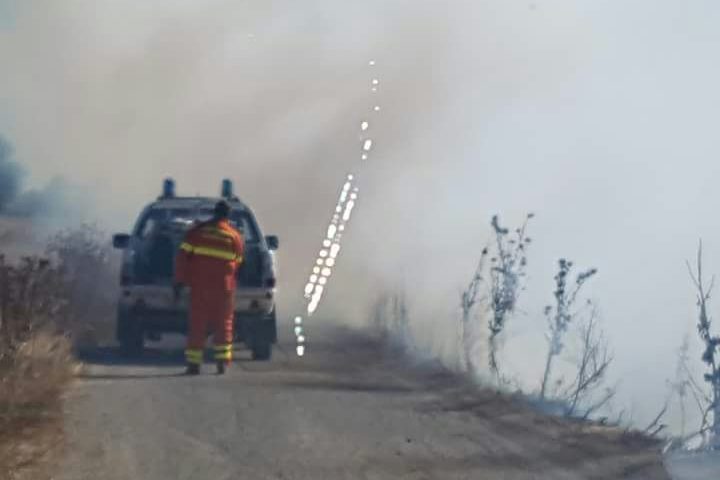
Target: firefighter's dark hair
{"type": "Point", "coordinates": [222, 210]}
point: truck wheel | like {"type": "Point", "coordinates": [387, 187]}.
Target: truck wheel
{"type": "Point", "coordinates": [261, 351]}
{"type": "Point", "coordinates": [273, 325]}
{"type": "Point", "coordinates": [130, 336]}
{"type": "Point", "coordinates": [261, 338]}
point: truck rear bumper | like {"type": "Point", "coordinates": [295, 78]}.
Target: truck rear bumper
{"type": "Point", "coordinates": [162, 321]}
{"type": "Point", "coordinates": [155, 310]}
{"type": "Point", "coordinates": [160, 300]}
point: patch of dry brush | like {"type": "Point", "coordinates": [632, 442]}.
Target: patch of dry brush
{"type": "Point", "coordinates": [32, 381]}
{"type": "Point", "coordinates": [46, 304]}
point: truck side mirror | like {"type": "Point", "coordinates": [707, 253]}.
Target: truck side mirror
{"type": "Point", "coordinates": [273, 242]}
{"type": "Point", "coordinates": [121, 241]}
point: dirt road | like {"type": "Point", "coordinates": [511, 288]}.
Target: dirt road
{"type": "Point", "coordinates": [351, 409]}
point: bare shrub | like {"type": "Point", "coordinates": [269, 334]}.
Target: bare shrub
{"type": "Point", "coordinates": [469, 299]}
{"type": "Point", "coordinates": [708, 403]}
{"type": "Point", "coordinates": [562, 314]}
{"type": "Point", "coordinates": [89, 275]}
{"type": "Point", "coordinates": [506, 272]}
{"type": "Point", "coordinates": [588, 392]}
{"type": "Point", "coordinates": [71, 290]}
{"type": "Point", "coordinates": [43, 302]}
{"type": "Point", "coordinates": [508, 262]}
{"type": "Point", "coordinates": [31, 297]}
{"type": "Point", "coordinates": [35, 358]}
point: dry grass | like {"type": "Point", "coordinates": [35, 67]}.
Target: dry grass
{"type": "Point", "coordinates": [47, 304]}
{"type": "Point", "coordinates": [31, 385]}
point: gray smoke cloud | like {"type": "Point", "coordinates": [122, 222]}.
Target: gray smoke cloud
{"type": "Point", "coordinates": [598, 116]}
{"type": "Point", "coordinates": [10, 176]}
{"type": "Point", "coordinates": [52, 200]}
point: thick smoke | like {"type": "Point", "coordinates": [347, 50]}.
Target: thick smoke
{"type": "Point", "coordinates": [35, 203]}
{"type": "Point", "coordinates": [10, 176]}
{"type": "Point", "coordinates": [598, 116]}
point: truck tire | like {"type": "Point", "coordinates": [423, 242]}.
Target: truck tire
{"type": "Point", "coordinates": [273, 326]}
{"type": "Point", "coordinates": [261, 351]}
{"type": "Point", "coordinates": [262, 336]}
{"type": "Point", "coordinates": [130, 335]}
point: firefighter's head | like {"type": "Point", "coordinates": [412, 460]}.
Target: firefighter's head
{"type": "Point", "coordinates": [221, 210]}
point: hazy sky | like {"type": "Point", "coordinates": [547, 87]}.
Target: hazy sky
{"type": "Point", "coordinates": [600, 117]}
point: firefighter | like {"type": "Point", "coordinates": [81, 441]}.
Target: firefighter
{"type": "Point", "coordinates": [207, 262]}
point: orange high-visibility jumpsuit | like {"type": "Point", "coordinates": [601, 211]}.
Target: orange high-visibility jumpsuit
{"type": "Point", "coordinates": [207, 262]}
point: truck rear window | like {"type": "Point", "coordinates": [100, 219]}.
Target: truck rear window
{"type": "Point", "coordinates": [240, 220]}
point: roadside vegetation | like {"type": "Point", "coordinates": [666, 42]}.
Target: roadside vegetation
{"type": "Point", "coordinates": [704, 392]}
{"type": "Point", "coordinates": [49, 303]}
{"type": "Point", "coordinates": [577, 355]}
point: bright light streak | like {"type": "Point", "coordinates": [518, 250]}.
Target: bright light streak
{"type": "Point", "coordinates": [348, 210]}
{"type": "Point", "coordinates": [312, 306]}
{"type": "Point", "coordinates": [331, 244]}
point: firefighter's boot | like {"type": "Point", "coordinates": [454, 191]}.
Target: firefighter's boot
{"type": "Point", "coordinates": [222, 367]}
